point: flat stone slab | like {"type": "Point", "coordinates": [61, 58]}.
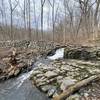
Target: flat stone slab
{"type": "Point", "coordinates": [63, 73]}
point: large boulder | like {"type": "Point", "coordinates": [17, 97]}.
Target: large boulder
{"type": "Point", "coordinates": [77, 52]}
{"type": "Point", "coordinates": [81, 53]}
{"type": "Point", "coordinates": [50, 74]}
{"type": "Point", "coordinates": [66, 82]}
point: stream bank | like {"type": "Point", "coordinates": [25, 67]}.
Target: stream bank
{"type": "Point", "coordinates": [52, 76]}
{"type": "Point", "coordinates": [19, 86]}
{"type": "Point", "coordinates": [59, 74]}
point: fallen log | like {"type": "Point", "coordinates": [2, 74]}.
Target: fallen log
{"type": "Point", "coordinates": [76, 87]}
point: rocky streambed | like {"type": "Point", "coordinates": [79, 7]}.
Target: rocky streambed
{"type": "Point", "coordinates": [20, 88]}
{"type": "Point", "coordinates": [15, 74]}
{"type": "Point", "coordinates": [57, 76]}
{"type": "Point", "coordinates": [11, 65]}
{"type": "Point", "coordinates": [48, 75]}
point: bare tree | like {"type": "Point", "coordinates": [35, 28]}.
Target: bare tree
{"type": "Point", "coordinates": [71, 19]}
{"type": "Point", "coordinates": [24, 14]}
{"type": "Point", "coordinates": [95, 35]}
{"type": "Point", "coordinates": [28, 16]}
{"type": "Point", "coordinates": [65, 17]}
{"type": "Point", "coordinates": [53, 5]}
{"type": "Point", "coordinates": [42, 5]}
{"type": "Point", "coordinates": [53, 17]}
{"type": "Point", "coordinates": [29, 19]}
{"type": "Point", "coordinates": [74, 20]}
{"type": "Point", "coordinates": [35, 20]}
{"type": "Point", "coordinates": [96, 12]}
{"type": "Point", "coordinates": [12, 8]}
{"type": "Point", "coordinates": [85, 7]}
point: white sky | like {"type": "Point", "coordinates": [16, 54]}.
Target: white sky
{"type": "Point", "coordinates": [17, 14]}
{"type": "Point", "coordinates": [18, 18]}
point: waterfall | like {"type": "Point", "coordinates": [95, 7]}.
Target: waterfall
{"type": "Point", "coordinates": [59, 54]}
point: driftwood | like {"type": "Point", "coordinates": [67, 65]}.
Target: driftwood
{"type": "Point", "coordinates": [76, 87]}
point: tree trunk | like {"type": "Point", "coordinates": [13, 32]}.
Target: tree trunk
{"type": "Point", "coordinates": [76, 87]}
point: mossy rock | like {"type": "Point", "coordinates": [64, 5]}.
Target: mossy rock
{"type": "Point", "coordinates": [80, 53]}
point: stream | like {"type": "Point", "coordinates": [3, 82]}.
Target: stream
{"type": "Point", "coordinates": [21, 88]}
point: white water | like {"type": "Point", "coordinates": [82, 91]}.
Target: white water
{"type": "Point", "coordinates": [20, 88]}
{"type": "Point", "coordinates": [59, 54]}
{"type": "Point", "coordinates": [15, 84]}
{"type": "Point", "coordinates": [22, 78]}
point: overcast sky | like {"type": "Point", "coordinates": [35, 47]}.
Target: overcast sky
{"type": "Point", "coordinates": [18, 16]}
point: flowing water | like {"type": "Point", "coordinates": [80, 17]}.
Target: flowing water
{"type": "Point", "coordinates": [21, 88]}
{"type": "Point", "coordinates": [59, 54]}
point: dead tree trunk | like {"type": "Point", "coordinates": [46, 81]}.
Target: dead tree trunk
{"type": "Point", "coordinates": [76, 87]}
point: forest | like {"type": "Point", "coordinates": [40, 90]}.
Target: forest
{"type": "Point", "coordinates": [49, 49]}
{"type": "Point", "coordinates": [69, 21]}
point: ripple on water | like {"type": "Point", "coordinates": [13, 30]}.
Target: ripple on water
{"type": "Point", "coordinates": [20, 89]}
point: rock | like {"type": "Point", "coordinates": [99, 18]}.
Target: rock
{"type": "Point", "coordinates": [63, 62]}
{"type": "Point", "coordinates": [30, 62]}
{"type": "Point", "coordinates": [39, 64]}
{"type": "Point", "coordinates": [50, 74]}
{"type": "Point", "coordinates": [2, 78]}
{"type": "Point", "coordinates": [57, 70]}
{"type": "Point", "coordinates": [51, 91]}
{"type": "Point", "coordinates": [41, 80]}
{"type": "Point", "coordinates": [22, 64]}
{"type": "Point", "coordinates": [50, 68]}
{"type": "Point", "coordinates": [6, 59]}
{"type": "Point", "coordinates": [51, 53]}
{"type": "Point", "coordinates": [93, 70]}
{"type": "Point", "coordinates": [51, 80]}
{"type": "Point", "coordinates": [17, 71]}
{"type": "Point", "coordinates": [36, 72]}
{"type": "Point", "coordinates": [0, 70]}
{"type": "Point", "coordinates": [74, 97]}
{"type": "Point", "coordinates": [11, 73]}
{"type": "Point", "coordinates": [13, 60]}
{"type": "Point", "coordinates": [14, 64]}
{"type": "Point", "coordinates": [39, 75]}
{"type": "Point", "coordinates": [82, 53]}
{"type": "Point", "coordinates": [66, 67]}
{"type": "Point", "coordinates": [40, 84]}
{"type": "Point", "coordinates": [66, 82]}
{"type": "Point", "coordinates": [45, 88]}
{"type": "Point", "coordinates": [86, 94]}
{"type": "Point", "coordinates": [55, 94]}
{"type": "Point", "coordinates": [9, 69]}
{"type": "Point", "coordinates": [59, 79]}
